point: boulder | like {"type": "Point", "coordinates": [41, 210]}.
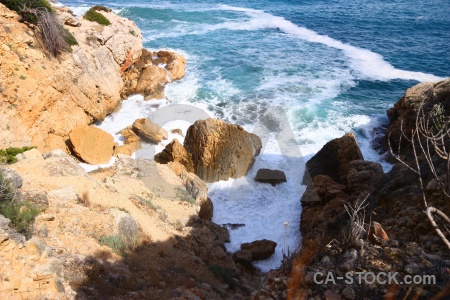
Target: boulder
{"type": "Point", "coordinates": [273, 177]}
{"type": "Point", "coordinates": [206, 211]}
{"type": "Point", "coordinates": [364, 177]}
{"type": "Point", "coordinates": [334, 158]}
{"type": "Point", "coordinates": [132, 141]}
{"type": "Point", "coordinates": [58, 163]}
{"type": "Point", "coordinates": [92, 144]}
{"type": "Point", "coordinates": [260, 249]}
{"type": "Point", "coordinates": [13, 178]}
{"type": "Point", "coordinates": [220, 150]}
{"type": "Point", "coordinates": [174, 151]}
{"type": "Point", "coordinates": [30, 154]}
{"type": "Point", "coordinates": [149, 130]}
{"type": "Point", "coordinates": [243, 257]}
{"type": "Point", "coordinates": [403, 113]}
{"type": "Point", "coordinates": [175, 63]}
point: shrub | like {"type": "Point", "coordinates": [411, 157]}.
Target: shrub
{"type": "Point", "coordinates": [114, 242]}
{"type": "Point", "coordinates": [93, 16]}
{"type": "Point", "coordinates": [21, 214]}
{"type": "Point", "coordinates": [68, 37]}
{"type": "Point", "coordinates": [6, 191]}
{"type": "Point", "coordinates": [20, 5]}
{"type": "Point", "coordinates": [8, 155]}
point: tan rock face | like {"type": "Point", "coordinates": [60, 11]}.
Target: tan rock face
{"type": "Point", "coordinates": [92, 144]}
{"type": "Point", "coordinates": [150, 130]}
{"type": "Point", "coordinates": [149, 74]}
{"type": "Point", "coordinates": [174, 151]}
{"type": "Point", "coordinates": [220, 150]}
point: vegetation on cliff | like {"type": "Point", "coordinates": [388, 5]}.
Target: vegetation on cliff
{"type": "Point", "coordinates": [8, 156]}
{"type": "Point", "coordinates": [94, 16]}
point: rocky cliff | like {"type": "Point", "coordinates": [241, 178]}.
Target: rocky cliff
{"type": "Point", "coordinates": [43, 98]}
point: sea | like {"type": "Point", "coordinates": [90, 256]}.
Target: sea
{"type": "Point", "coordinates": [333, 66]}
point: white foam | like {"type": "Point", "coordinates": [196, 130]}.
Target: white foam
{"type": "Point", "coordinates": [89, 168]}
{"type": "Point", "coordinates": [261, 207]}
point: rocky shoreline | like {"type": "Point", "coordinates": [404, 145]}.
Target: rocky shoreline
{"type": "Point", "coordinates": [142, 229]}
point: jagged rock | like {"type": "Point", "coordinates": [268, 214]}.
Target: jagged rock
{"type": "Point", "coordinates": [4, 223]}
{"type": "Point", "coordinates": [147, 75]}
{"type": "Point", "coordinates": [220, 150]}
{"type": "Point", "coordinates": [174, 151]}
{"type": "Point", "coordinates": [132, 142]}
{"type": "Point", "coordinates": [150, 130]}
{"type": "Point", "coordinates": [364, 177]}
{"type": "Point", "coordinates": [403, 113]}
{"type": "Point", "coordinates": [206, 210]}
{"type": "Point", "coordinates": [273, 177]}
{"type": "Point", "coordinates": [68, 19]}
{"type": "Point", "coordinates": [377, 233]}
{"type": "Point", "coordinates": [13, 177]}
{"type": "Point", "coordinates": [175, 63]}
{"type": "Point", "coordinates": [334, 158]}
{"type": "Point", "coordinates": [412, 269]}
{"type": "Point", "coordinates": [243, 257]}
{"type": "Point", "coordinates": [177, 131]}
{"type": "Point", "coordinates": [260, 249]}
{"type": "Point", "coordinates": [92, 144]}
{"type": "Point", "coordinates": [348, 260]}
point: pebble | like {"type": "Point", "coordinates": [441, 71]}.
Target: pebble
{"type": "Point", "coordinates": [348, 293]}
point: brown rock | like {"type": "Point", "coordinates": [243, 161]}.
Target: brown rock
{"type": "Point", "coordinates": [150, 130]}
{"type": "Point", "coordinates": [364, 177]}
{"type": "Point", "coordinates": [377, 233]}
{"type": "Point", "coordinates": [92, 144]}
{"type": "Point", "coordinates": [333, 159]}
{"type": "Point", "coordinates": [206, 210]}
{"type": "Point", "coordinates": [273, 177]}
{"type": "Point", "coordinates": [243, 257]}
{"type": "Point", "coordinates": [177, 131]}
{"type": "Point", "coordinates": [403, 114]}
{"type": "Point", "coordinates": [132, 141]}
{"type": "Point", "coordinates": [220, 150]}
{"type": "Point", "coordinates": [260, 249]}
{"type": "Point", "coordinates": [175, 63]}
{"type": "Point", "coordinates": [174, 151]}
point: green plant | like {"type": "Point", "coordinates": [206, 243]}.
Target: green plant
{"type": "Point", "coordinates": [21, 214]}
{"type": "Point", "coordinates": [8, 155]}
{"type": "Point", "coordinates": [149, 203]}
{"type": "Point", "coordinates": [183, 195]}
{"type": "Point", "coordinates": [23, 77]}
{"type": "Point", "coordinates": [68, 37]}
{"type": "Point", "coordinates": [114, 242]}
{"type": "Point", "coordinates": [94, 16]}
{"type": "Point", "coordinates": [132, 32]}
{"type": "Point", "coordinates": [19, 5]}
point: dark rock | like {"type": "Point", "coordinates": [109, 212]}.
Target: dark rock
{"type": "Point", "coordinates": [273, 177]}
{"type": "Point", "coordinates": [334, 158]}
{"type": "Point", "coordinates": [348, 260]}
{"type": "Point", "coordinates": [243, 257]}
{"type": "Point", "coordinates": [206, 210]}
{"type": "Point", "coordinates": [233, 226]}
{"type": "Point", "coordinates": [260, 249]}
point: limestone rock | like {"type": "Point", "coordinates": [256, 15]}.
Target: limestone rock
{"type": "Point", "coordinates": [13, 177]}
{"type": "Point", "coordinates": [220, 150]}
{"type": "Point", "coordinates": [175, 63]}
{"type": "Point", "coordinates": [58, 163]}
{"type": "Point", "coordinates": [150, 130]}
{"type": "Point", "coordinates": [92, 144]}
{"type": "Point", "coordinates": [174, 151]}
{"type": "Point", "coordinates": [334, 158]}
{"type": "Point", "coordinates": [260, 249]}
{"type": "Point", "coordinates": [30, 154]}
{"type": "Point", "coordinates": [273, 177]}
{"type": "Point", "coordinates": [132, 141]}
{"type": "Point", "coordinates": [67, 193]}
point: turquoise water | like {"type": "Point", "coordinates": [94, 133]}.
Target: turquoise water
{"type": "Point", "coordinates": [335, 66]}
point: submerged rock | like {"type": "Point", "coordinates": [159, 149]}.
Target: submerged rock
{"type": "Point", "coordinates": [220, 150]}
{"type": "Point", "coordinates": [273, 177]}
{"type": "Point", "coordinates": [260, 249]}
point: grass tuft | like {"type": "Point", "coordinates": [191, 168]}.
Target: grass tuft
{"type": "Point", "coordinates": [94, 16]}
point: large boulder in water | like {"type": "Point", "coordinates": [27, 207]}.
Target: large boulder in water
{"type": "Point", "coordinates": [220, 150]}
{"type": "Point", "coordinates": [273, 177]}
{"type": "Point", "coordinates": [334, 158]}
{"type": "Point", "coordinates": [260, 249]}
{"type": "Point", "coordinates": [92, 144]}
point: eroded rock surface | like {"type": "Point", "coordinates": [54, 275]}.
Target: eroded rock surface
{"type": "Point", "coordinates": [220, 150]}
